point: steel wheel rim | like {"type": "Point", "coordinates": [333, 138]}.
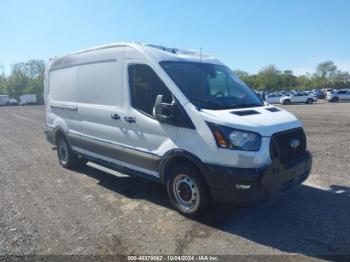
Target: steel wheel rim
{"type": "Point", "coordinates": [63, 152]}
{"type": "Point", "coordinates": [186, 192]}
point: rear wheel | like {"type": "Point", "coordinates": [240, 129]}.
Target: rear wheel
{"type": "Point", "coordinates": [309, 101]}
{"type": "Point", "coordinates": [287, 102]}
{"type": "Point", "coordinates": [187, 191]}
{"type": "Point", "coordinates": [66, 157]}
{"type": "Point", "coordinates": [335, 99]}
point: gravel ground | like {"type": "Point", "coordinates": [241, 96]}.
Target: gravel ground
{"type": "Point", "coordinates": [47, 210]}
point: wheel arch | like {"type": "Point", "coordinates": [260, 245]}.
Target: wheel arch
{"type": "Point", "coordinates": [57, 132]}
{"type": "Point", "coordinates": [286, 101]}
{"type": "Point", "coordinates": [175, 156]}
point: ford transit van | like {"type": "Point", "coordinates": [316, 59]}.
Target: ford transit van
{"type": "Point", "coordinates": [174, 116]}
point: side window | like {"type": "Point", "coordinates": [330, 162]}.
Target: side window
{"type": "Point", "coordinates": [145, 85]}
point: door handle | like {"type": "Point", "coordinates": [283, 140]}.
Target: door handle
{"type": "Point", "coordinates": [115, 116]}
{"type": "Point", "coordinates": [130, 119]}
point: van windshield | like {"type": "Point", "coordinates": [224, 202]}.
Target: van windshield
{"type": "Point", "coordinates": [210, 86]}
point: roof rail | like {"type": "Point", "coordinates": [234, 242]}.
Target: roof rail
{"type": "Point", "coordinates": [168, 49]}
{"type": "Point", "coordinates": [112, 45]}
{"type": "Point", "coordinates": [177, 51]}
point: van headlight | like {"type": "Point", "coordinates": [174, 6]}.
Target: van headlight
{"type": "Point", "coordinates": [235, 139]}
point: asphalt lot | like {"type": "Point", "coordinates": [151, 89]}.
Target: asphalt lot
{"type": "Point", "coordinates": [45, 209]}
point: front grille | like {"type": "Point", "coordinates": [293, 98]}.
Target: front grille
{"type": "Point", "coordinates": [281, 148]}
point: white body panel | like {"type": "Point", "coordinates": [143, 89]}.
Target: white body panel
{"type": "Point", "coordinates": [83, 90]}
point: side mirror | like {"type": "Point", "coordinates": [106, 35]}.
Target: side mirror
{"type": "Point", "coordinates": [162, 111]}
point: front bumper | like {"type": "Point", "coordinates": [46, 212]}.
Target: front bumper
{"type": "Point", "coordinates": [226, 183]}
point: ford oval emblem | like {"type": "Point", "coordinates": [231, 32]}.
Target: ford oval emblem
{"type": "Point", "coordinates": [295, 143]}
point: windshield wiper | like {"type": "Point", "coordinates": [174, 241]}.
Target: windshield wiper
{"type": "Point", "coordinates": [244, 105]}
{"type": "Point", "coordinates": [207, 102]}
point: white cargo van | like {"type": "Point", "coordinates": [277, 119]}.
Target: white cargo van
{"type": "Point", "coordinates": [174, 116]}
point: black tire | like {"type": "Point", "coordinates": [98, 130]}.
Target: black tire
{"type": "Point", "coordinates": [309, 101]}
{"type": "Point", "coordinates": [335, 99]}
{"type": "Point", "coordinates": [187, 191]}
{"type": "Point", "coordinates": [65, 155]}
{"type": "Point", "coordinates": [287, 102]}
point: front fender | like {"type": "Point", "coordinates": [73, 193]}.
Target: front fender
{"type": "Point", "coordinates": [178, 153]}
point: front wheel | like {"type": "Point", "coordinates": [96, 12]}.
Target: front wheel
{"type": "Point", "coordinates": [187, 191]}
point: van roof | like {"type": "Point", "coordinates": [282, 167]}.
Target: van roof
{"type": "Point", "coordinates": [161, 53]}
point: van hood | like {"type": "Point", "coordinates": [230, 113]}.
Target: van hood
{"type": "Point", "coordinates": [265, 120]}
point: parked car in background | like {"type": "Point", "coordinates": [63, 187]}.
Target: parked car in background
{"type": "Point", "coordinates": [286, 93]}
{"type": "Point", "coordinates": [12, 102]}
{"type": "Point", "coordinates": [273, 98]}
{"type": "Point", "coordinates": [340, 95]}
{"type": "Point", "coordinates": [298, 98]}
{"type": "Point", "coordinates": [319, 94]}
{"type": "Point", "coordinates": [329, 91]}
{"type": "Point", "coordinates": [28, 99]}
{"type": "Point", "coordinates": [4, 100]}
{"type": "Point", "coordinates": [313, 94]}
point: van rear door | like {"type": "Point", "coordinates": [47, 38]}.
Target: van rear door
{"type": "Point", "coordinates": [61, 107]}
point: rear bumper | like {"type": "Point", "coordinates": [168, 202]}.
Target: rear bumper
{"type": "Point", "coordinates": [50, 137]}
{"type": "Point", "coordinates": [228, 184]}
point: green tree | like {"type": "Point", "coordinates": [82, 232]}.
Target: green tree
{"type": "Point", "coordinates": [326, 70]}
{"type": "Point", "coordinates": [341, 79]}
{"type": "Point", "coordinates": [325, 73]}
{"type": "Point", "coordinates": [288, 80]}
{"type": "Point", "coordinates": [241, 74]}
{"type": "Point", "coordinates": [250, 80]}
{"type": "Point", "coordinates": [268, 78]}
{"type": "Point", "coordinates": [2, 81]}
{"type": "Point", "coordinates": [16, 82]}
{"type": "Point", "coordinates": [25, 78]}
